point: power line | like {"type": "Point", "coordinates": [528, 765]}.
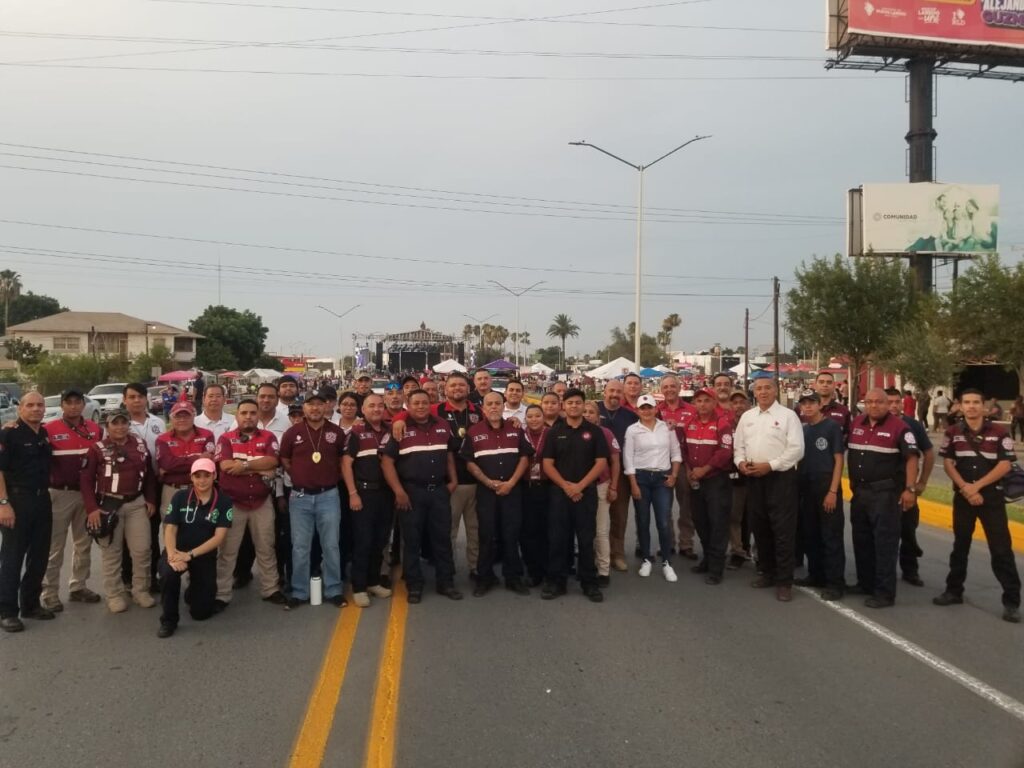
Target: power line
{"type": "Point", "coordinates": [279, 174]}
{"type": "Point", "coordinates": [581, 215]}
{"type": "Point", "coordinates": [322, 252]}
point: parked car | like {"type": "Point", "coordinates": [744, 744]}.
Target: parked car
{"type": "Point", "coordinates": [8, 407]}
{"type": "Point", "coordinates": [109, 396]}
{"type": "Point", "coordinates": [156, 399]}
{"type": "Point", "coordinates": [91, 410]}
{"type": "Point", "coordinates": [377, 386]}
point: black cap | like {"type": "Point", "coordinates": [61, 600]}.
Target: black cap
{"type": "Point", "coordinates": [739, 393]}
{"type": "Point", "coordinates": [294, 408]}
{"type": "Point", "coordinates": [809, 394]}
{"type": "Point", "coordinates": [328, 392]}
{"type": "Point", "coordinates": [70, 393]}
{"type": "Point", "coordinates": [409, 377]}
{"type": "Point", "coordinates": [316, 394]}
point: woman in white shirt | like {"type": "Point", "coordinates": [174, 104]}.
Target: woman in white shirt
{"type": "Point", "coordinates": [651, 458]}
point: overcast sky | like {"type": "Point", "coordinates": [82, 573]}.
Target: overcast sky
{"type": "Point", "coordinates": [423, 164]}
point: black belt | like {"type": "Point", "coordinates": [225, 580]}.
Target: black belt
{"type": "Point", "coordinates": [121, 497]}
{"type": "Point", "coordinates": [313, 491]}
{"type": "Point", "coordinates": [539, 483]}
{"type": "Point", "coordinates": [876, 485]}
{"type": "Point", "coordinates": [177, 486]}
{"type": "Point", "coordinates": [367, 486]}
{"type": "Point", "coordinates": [426, 486]}
{"type": "Point", "coordinates": [66, 487]}
{"type": "Point", "coordinates": [26, 491]}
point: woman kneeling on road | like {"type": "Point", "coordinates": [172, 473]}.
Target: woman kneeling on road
{"type": "Point", "coordinates": [195, 525]}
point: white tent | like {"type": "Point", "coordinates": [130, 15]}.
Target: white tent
{"type": "Point", "coordinates": [261, 374]}
{"type": "Point", "coordinates": [663, 368]}
{"type": "Point", "coordinates": [448, 366]}
{"type": "Point", "coordinates": [616, 367]}
{"type": "Point", "coordinates": [539, 368]}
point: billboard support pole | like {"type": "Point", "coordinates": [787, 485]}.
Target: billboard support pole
{"type": "Point", "coordinates": [921, 141]}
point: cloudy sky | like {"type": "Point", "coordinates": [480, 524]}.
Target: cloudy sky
{"type": "Point", "coordinates": [400, 155]}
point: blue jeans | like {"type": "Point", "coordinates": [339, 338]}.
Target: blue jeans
{"type": "Point", "coordinates": [653, 491]}
{"type": "Point", "coordinates": [322, 512]}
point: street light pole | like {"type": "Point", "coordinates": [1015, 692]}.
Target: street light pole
{"type": "Point", "coordinates": [639, 230]}
{"type": "Point", "coordinates": [517, 294]}
{"type": "Point", "coordinates": [341, 334]}
{"type": "Point", "coordinates": [478, 321]}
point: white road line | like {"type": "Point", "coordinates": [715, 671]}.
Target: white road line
{"type": "Point", "coordinates": [973, 684]}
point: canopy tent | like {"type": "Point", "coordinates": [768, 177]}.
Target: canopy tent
{"type": "Point", "coordinates": [449, 366]}
{"type": "Point", "coordinates": [663, 368]}
{"type": "Point", "coordinates": [229, 375]}
{"type": "Point", "coordinates": [651, 373]}
{"type": "Point", "coordinates": [539, 368]}
{"type": "Point", "coordinates": [738, 369]}
{"type": "Point", "coordinates": [499, 365]}
{"type": "Point", "coordinates": [616, 367]}
{"type": "Point", "coordinates": [261, 374]}
{"type": "Point", "coordinates": [178, 376]}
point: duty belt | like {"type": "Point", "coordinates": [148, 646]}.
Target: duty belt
{"type": "Point", "coordinates": [425, 486]}
{"type": "Point", "coordinates": [122, 497]}
{"type": "Point", "coordinates": [876, 485]}
{"type": "Point", "coordinates": [65, 487]}
{"type": "Point", "coordinates": [367, 486]}
{"type": "Point", "coordinates": [24, 490]}
{"type": "Point", "coordinates": [312, 491]}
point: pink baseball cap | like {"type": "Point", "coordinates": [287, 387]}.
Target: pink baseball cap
{"type": "Point", "coordinates": [203, 465]}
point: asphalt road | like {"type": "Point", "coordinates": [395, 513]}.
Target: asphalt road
{"type": "Point", "coordinates": [660, 674]}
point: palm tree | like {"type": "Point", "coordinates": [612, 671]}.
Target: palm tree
{"type": "Point", "coordinates": [10, 288]}
{"type": "Point", "coordinates": [562, 327]}
{"type": "Point", "coordinates": [668, 325]}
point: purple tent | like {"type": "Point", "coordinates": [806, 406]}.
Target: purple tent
{"type": "Point", "coordinates": [499, 365]}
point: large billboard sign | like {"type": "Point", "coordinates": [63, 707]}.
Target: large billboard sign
{"type": "Point", "coordinates": [962, 22]}
{"type": "Point", "coordinates": [924, 218]}
{"type": "Point", "coordinates": [970, 28]}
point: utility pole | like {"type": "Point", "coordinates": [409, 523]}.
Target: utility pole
{"type": "Point", "coordinates": [746, 348]}
{"type": "Point", "coordinates": [517, 294]}
{"type": "Point", "coordinates": [921, 142]}
{"type": "Point", "coordinates": [637, 335]}
{"type": "Point", "coordinates": [341, 333]}
{"type": "Point", "coordinates": [775, 333]}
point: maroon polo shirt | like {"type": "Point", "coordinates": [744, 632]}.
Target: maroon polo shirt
{"type": "Point", "coordinates": [879, 451]}
{"type": "Point", "coordinates": [246, 491]}
{"type": "Point", "coordinates": [174, 455]}
{"type": "Point", "coordinates": [364, 446]}
{"type": "Point", "coordinates": [496, 450]}
{"type": "Point", "coordinates": [992, 442]}
{"type": "Point", "coordinates": [70, 444]}
{"type": "Point", "coordinates": [299, 444]}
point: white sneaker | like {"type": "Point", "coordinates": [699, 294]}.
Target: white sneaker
{"type": "Point", "coordinates": [669, 572]}
{"type": "Point", "coordinates": [645, 568]}
{"type": "Point", "coordinates": [379, 591]}
{"type": "Point", "coordinates": [361, 599]}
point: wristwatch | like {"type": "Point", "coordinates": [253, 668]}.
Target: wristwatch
{"type": "Point", "coordinates": [191, 554]}
{"type": "Point", "coordinates": [912, 489]}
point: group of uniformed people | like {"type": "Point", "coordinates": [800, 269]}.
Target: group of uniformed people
{"type": "Point", "coordinates": [317, 487]}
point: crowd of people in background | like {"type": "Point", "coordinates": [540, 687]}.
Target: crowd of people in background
{"type": "Point", "coordinates": [310, 487]}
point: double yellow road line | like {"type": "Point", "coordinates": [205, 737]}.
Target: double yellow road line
{"type": "Point", "coordinates": [311, 742]}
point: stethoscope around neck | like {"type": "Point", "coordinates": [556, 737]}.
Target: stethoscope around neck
{"type": "Point", "coordinates": [190, 512]}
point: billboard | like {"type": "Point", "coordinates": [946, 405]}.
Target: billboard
{"type": "Point", "coordinates": [925, 218]}
{"type": "Point", "coordinates": [957, 24]}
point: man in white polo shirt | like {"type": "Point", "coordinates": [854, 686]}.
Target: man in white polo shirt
{"type": "Point", "coordinates": [213, 417]}
{"type": "Point", "coordinates": [515, 408]}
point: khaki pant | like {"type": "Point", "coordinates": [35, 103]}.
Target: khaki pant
{"type": "Point", "coordinates": [619, 517]}
{"type": "Point", "coordinates": [463, 503]}
{"type": "Point", "coordinates": [166, 494]}
{"type": "Point", "coordinates": [133, 530]}
{"type": "Point", "coordinates": [602, 546]}
{"type": "Point", "coordinates": [684, 539]}
{"type": "Point", "coordinates": [68, 510]}
{"type": "Point", "coordinates": [260, 522]}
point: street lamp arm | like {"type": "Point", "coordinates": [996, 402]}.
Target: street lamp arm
{"type": "Point", "coordinates": [686, 144]}
{"type": "Point", "coordinates": [634, 166]}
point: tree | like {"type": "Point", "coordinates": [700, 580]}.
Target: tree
{"type": "Point", "coordinates": [274, 364]}
{"type": "Point", "coordinates": [159, 356]}
{"type": "Point", "coordinates": [921, 350]}
{"type": "Point", "coordinates": [233, 339]}
{"type": "Point", "coordinates": [22, 351]}
{"type": "Point", "coordinates": [550, 356]}
{"type": "Point", "coordinates": [623, 345]}
{"type": "Point", "coordinates": [10, 288]}
{"type": "Point", "coordinates": [562, 327]}
{"type": "Point", "coordinates": [987, 314]}
{"type": "Point", "coordinates": [55, 373]}
{"type": "Point", "coordinates": [668, 325]}
{"type": "Point", "coordinates": [849, 307]}
{"type": "Point", "coordinates": [32, 306]}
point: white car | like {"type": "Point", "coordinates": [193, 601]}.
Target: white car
{"type": "Point", "coordinates": [8, 408]}
{"type": "Point", "coordinates": [108, 396]}
{"type": "Point", "coordinates": [91, 410]}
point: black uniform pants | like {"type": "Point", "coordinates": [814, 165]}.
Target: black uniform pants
{"type": "Point", "coordinates": [566, 518]}
{"type": "Point", "coordinates": [430, 517]}
{"type": "Point", "coordinates": [822, 532]}
{"type": "Point", "coordinates": [992, 515]}
{"type": "Point", "coordinates": [371, 529]}
{"type": "Point", "coordinates": [772, 501]}
{"type": "Point", "coordinates": [26, 545]}
{"type": "Point", "coordinates": [712, 512]}
{"type": "Point", "coordinates": [534, 536]}
{"type": "Point", "coordinates": [201, 592]}
{"type": "Point", "coordinates": [875, 517]}
{"type": "Point", "coordinates": [500, 522]}
{"type": "Point", "coordinates": [910, 550]}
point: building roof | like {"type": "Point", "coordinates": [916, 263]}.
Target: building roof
{"type": "Point", "coordinates": [98, 322]}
